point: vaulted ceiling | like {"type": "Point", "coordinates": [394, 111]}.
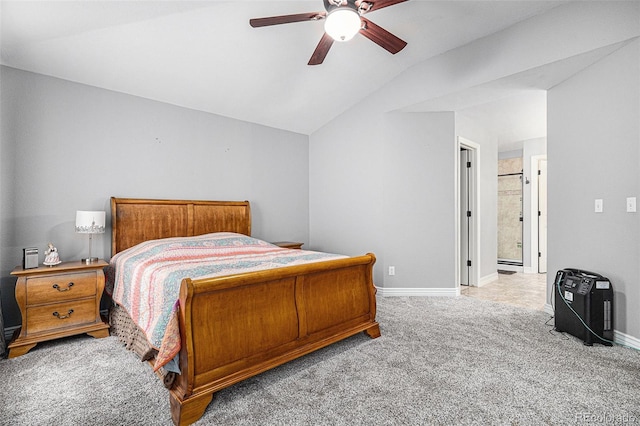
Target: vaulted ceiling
{"type": "Point", "coordinates": [204, 55]}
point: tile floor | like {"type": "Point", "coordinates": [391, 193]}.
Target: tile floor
{"type": "Point", "coordinates": [528, 290]}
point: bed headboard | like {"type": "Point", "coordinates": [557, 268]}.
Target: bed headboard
{"type": "Point", "coordinates": [136, 220]}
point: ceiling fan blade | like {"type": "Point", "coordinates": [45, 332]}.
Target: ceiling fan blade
{"type": "Point", "coordinates": [382, 37]}
{"type": "Point", "coordinates": [286, 19]}
{"type": "Point", "coordinates": [321, 50]}
{"type": "Point", "coordinates": [379, 4]}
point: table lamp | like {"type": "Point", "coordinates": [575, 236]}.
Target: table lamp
{"type": "Point", "coordinates": [90, 222]}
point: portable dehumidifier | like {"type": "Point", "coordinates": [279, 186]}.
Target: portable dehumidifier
{"type": "Point", "coordinates": [584, 306]}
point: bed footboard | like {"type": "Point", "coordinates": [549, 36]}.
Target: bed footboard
{"type": "Point", "coordinates": [238, 326]}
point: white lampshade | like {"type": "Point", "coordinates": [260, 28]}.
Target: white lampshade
{"type": "Point", "coordinates": [90, 222]}
{"type": "Point", "coordinates": [342, 24]}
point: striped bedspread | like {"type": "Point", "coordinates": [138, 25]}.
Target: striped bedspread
{"type": "Point", "coordinates": [145, 279]}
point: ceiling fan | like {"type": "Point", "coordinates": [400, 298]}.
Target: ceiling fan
{"type": "Point", "coordinates": [343, 20]}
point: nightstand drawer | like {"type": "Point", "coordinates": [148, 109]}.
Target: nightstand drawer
{"type": "Point", "coordinates": [58, 301]}
{"type": "Point", "coordinates": [54, 288]}
{"type": "Point", "coordinates": [60, 315]}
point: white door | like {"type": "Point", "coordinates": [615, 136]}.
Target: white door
{"type": "Point", "coordinates": [465, 209]}
{"type": "Point", "coordinates": [542, 216]}
{"type": "Point", "coordinates": [468, 219]}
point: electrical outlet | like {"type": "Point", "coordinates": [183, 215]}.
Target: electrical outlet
{"type": "Point", "coordinates": [598, 207]}
{"type": "Point", "coordinates": [392, 270]}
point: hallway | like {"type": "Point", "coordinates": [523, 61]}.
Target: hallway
{"type": "Point", "coordinates": [526, 290]}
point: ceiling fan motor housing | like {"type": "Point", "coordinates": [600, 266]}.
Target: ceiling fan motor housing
{"type": "Point", "coordinates": [331, 5]}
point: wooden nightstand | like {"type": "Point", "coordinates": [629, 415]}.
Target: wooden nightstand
{"type": "Point", "coordinates": [288, 244]}
{"type": "Point", "coordinates": [58, 301]}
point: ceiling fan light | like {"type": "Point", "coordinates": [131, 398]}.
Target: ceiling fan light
{"type": "Point", "coordinates": [342, 24]}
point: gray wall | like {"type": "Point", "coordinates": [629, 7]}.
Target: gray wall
{"type": "Point", "coordinates": [381, 188]}
{"type": "Point", "coordinates": [345, 186]}
{"type": "Point", "coordinates": [68, 147]}
{"type": "Point", "coordinates": [419, 199]}
{"type": "Point", "coordinates": [594, 152]}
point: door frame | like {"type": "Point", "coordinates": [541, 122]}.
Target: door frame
{"type": "Point", "coordinates": [533, 214]}
{"type": "Point", "coordinates": [542, 233]}
{"type": "Point", "coordinates": [474, 234]}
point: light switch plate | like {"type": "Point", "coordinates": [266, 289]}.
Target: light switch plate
{"type": "Point", "coordinates": [631, 204]}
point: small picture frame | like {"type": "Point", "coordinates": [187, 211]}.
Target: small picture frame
{"type": "Point", "coordinates": [30, 258]}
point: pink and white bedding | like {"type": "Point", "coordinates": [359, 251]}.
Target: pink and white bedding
{"type": "Point", "coordinates": [145, 279]}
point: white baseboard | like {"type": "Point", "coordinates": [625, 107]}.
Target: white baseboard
{"type": "Point", "coordinates": [438, 292]}
{"type": "Point", "coordinates": [513, 268]}
{"type": "Point", "coordinates": [626, 340]}
{"type": "Point", "coordinates": [548, 308]}
{"type": "Point", "coordinates": [487, 279]}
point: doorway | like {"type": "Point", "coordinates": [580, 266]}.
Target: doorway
{"type": "Point", "coordinates": [536, 218]}
{"type": "Point", "coordinates": [510, 217]}
{"type": "Point", "coordinates": [468, 223]}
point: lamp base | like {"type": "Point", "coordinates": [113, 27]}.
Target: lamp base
{"type": "Point", "coordinates": [89, 260]}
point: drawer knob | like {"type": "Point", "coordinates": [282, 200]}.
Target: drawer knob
{"type": "Point", "coordinates": [56, 314]}
{"type": "Point", "coordinates": [57, 287]}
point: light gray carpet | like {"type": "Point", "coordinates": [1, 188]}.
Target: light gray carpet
{"type": "Point", "coordinates": [439, 361]}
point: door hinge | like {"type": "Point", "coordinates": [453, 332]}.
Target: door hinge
{"type": "Point", "coordinates": [468, 263]}
{"type": "Point", "coordinates": [539, 213]}
{"type": "Point", "coordinates": [539, 173]}
{"type": "Point", "coordinates": [539, 254]}
{"type": "Point", "coordinates": [468, 164]}
{"type": "Point", "coordinates": [468, 213]}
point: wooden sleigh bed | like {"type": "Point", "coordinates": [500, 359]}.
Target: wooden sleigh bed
{"type": "Point", "coordinates": [236, 326]}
